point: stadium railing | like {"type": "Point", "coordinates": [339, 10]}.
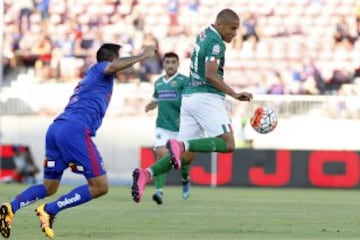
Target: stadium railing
{"type": "Point", "coordinates": [50, 99]}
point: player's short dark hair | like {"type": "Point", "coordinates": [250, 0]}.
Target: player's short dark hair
{"type": "Point", "coordinates": [171, 55]}
{"type": "Point", "coordinates": [226, 15]}
{"type": "Point", "coordinates": [108, 52]}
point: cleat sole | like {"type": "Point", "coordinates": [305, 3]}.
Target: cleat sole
{"type": "Point", "coordinates": [135, 188]}
{"type": "Point", "coordinates": [157, 199]}
{"type": "Point", "coordinates": [4, 226]}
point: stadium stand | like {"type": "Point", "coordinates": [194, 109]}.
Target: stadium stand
{"type": "Point", "coordinates": [297, 52]}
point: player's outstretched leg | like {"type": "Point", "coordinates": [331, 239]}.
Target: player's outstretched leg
{"type": "Point", "coordinates": [158, 197]}
{"type": "Point", "coordinates": [46, 221]}
{"type": "Point", "coordinates": [6, 216]}
{"type": "Point", "coordinates": [140, 178]}
{"type": "Point", "coordinates": [176, 149]}
{"type": "Point", "coordinates": [186, 189]}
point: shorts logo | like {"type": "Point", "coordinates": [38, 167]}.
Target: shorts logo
{"type": "Point", "coordinates": [158, 136]}
{"type": "Point", "coordinates": [49, 163]}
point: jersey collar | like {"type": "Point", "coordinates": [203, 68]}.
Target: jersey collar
{"type": "Point", "coordinates": [171, 78]}
{"type": "Point", "coordinates": [215, 31]}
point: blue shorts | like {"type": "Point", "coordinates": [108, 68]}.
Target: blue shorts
{"type": "Point", "coordinates": [69, 144]}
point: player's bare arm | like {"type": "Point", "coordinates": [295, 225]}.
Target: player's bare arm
{"type": "Point", "coordinates": [125, 62]}
{"type": "Point", "coordinates": [244, 96]}
{"type": "Point", "coordinates": [150, 106]}
{"type": "Point", "coordinates": [213, 77]}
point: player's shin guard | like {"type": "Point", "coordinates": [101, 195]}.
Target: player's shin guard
{"type": "Point", "coordinates": [75, 197]}
{"type": "Point", "coordinates": [163, 165]}
{"type": "Point", "coordinates": [207, 145]}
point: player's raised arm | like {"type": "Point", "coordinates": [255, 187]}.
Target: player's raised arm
{"type": "Point", "coordinates": [125, 62]}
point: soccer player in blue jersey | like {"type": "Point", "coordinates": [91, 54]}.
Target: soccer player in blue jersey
{"type": "Point", "coordinates": [69, 143]}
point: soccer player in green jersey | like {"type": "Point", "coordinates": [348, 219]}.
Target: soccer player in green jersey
{"type": "Point", "coordinates": [203, 108]}
{"type": "Point", "coordinates": [167, 98]}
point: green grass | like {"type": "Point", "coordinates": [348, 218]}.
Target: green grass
{"type": "Point", "coordinates": [210, 213]}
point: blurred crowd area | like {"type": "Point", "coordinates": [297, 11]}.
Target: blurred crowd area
{"type": "Point", "coordinates": [283, 47]}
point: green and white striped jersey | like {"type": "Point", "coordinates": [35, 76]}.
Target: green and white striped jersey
{"type": "Point", "coordinates": [168, 94]}
{"type": "Point", "coordinates": [209, 46]}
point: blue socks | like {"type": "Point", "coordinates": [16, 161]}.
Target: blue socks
{"type": "Point", "coordinates": [74, 198]}
{"type": "Point", "coordinates": [28, 196]}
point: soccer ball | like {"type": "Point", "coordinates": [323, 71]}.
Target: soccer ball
{"type": "Point", "coordinates": [264, 120]}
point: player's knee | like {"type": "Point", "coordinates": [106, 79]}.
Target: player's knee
{"type": "Point", "coordinates": [230, 142]}
{"type": "Point", "coordinates": [230, 147]}
{"type": "Point", "coordinates": [50, 192]}
{"type": "Point", "coordinates": [51, 186]}
{"type": "Point", "coordinates": [98, 186]}
{"type": "Point", "coordinates": [100, 190]}
{"type": "Point", "coordinates": [104, 190]}
{"type": "Point", "coordinates": [188, 157]}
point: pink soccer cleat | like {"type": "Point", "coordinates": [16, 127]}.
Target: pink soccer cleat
{"type": "Point", "coordinates": [176, 149]}
{"type": "Point", "coordinates": [140, 178]}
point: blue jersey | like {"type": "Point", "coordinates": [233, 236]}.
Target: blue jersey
{"type": "Point", "coordinates": [91, 98]}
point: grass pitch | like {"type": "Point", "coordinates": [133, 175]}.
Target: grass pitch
{"type": "Point", "coordinates": [209, 213]}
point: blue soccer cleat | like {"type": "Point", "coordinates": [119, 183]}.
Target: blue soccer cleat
{"type": "Point", "coordinates": [186, 189]}
{"type": "Point", "coordinates": [158, 197]}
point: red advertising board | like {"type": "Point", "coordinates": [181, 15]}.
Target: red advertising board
{"type": "Point", "coordinates": [272, 168]}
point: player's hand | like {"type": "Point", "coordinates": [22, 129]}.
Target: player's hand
{"type": "Point", "coordinates": [150, 106]}
{"type": "Point", "coordinates": [148, 51]}
{"type": "Point", "coordinates": [244, 96]}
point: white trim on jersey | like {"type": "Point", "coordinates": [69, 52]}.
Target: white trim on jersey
{"type": "Point", "coordinates": [217, 33]}
{"type": "Point", "coordinates": [212, 59]}
{"type": "Point", "coordinates": [170, 78]}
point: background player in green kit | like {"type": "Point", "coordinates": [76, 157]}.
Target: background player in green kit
{"type": "Point", "coordinates": [167, 97]}
{"type": "Point", "coordinates": [203, 107]}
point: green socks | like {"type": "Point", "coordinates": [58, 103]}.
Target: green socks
{"type": "Point", "coordinates": [163, 165]}
{"type": "Point", "coordinates": [184, 170]}
{"type": "Point", "coordinates": [207, 145]}
{"type": "Point", "coordinates": [159, 181]}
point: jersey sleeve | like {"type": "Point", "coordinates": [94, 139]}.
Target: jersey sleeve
{"type": "Point", "coordinates": [101, 66]}
{"type": "Point", "coordinates": [184, 82]}
{"type": "Point", "coordinates": [214, 52]}
{"type": "Point", "coordinates": [155, 95]}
